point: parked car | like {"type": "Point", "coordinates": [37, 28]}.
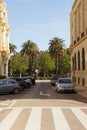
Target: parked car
{"type": "Point", "coordinates": [53, 81]}
{"type": "Point", "coordinates": [24, 82]}
{"type": "Point", "coordinates": [32, 79]}
{"type": "Point", "coordinates": [65, 84]}
{"type": "Point", "coordinates": [9, 86]}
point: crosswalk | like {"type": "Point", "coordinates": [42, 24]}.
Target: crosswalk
{"type": "Point", "coordinates": [43, 118]}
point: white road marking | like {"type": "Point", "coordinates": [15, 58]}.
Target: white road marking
{"type": "Point", "coordinates": [59, 119]}
{"type": "Point", "coordinates": [10, 119]}
{"type": "Point", "coordinates": [12, 104]}
{"type": "Point", "coordinates": [81, 116]}
{"type": "Point", "coordinates": [1, 109]}
{"type": "Point", "coordinates": [13, 107]}
{"type": "Point", "coordinates": [44, 94]}
{"type": "Point", "coordinates": [34, 120]}
{"type": "Point", "coordinates": [5, 104]}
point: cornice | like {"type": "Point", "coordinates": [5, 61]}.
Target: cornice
{"type": "Point", "coordinates": [72, 46]}
{"type": "Point", "coordinates": [75, 1]}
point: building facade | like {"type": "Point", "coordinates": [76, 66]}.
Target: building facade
{"type": "Point", "coordinates": [4, 39]}
{"type": "Point", "coordinates": [78, 39]}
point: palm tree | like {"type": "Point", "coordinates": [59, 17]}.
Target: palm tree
{"type": "Point", "coordinates": [12, 48]}
{"type": "Point", "coordinates": [56, 50]}
{"type": "Point", "coordinates": [30, 48]}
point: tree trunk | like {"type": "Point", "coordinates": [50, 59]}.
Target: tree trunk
{"type": "Point", "coordinates": [57, 66]}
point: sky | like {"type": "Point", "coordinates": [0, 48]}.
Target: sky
{"type": "Point", "coordinates": [39, 21]}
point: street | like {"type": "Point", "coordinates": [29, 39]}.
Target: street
{"type": "Point", "coordinates": [42, 108]}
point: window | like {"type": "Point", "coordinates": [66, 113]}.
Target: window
{"type": "Point", "coordinates": [78, 60]}
{"type": "Point", "coordinates": [82, 34]}
{"type": "Point", "coordinates": [75, 61]}
{"type": "Point", "coordinates": [11, 82]}
{"type": "Point", "coordinates": [83, 81]}
{"type": "Point", "coordinates": [86, 30]}
{"type": "Point", "coordinates": [83, 59]}
{"type": "Point", "coordinates": [78, 80]}
{"type": "Point", "coordinates": [78, 38]}
{"type": "Point", "coordinates": [65, 81]}
{"type": "Point", "coordinates": [3, 82]}
{"type": "Point", "coordinates": [75, 79]}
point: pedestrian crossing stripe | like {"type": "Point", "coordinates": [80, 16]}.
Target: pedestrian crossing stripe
{"type": "Point", "coordinates": [34, 120]}
{"type": "Point", "coordinates": [82, 117]}
{"type": "Point", "coordinates": [9, 120]}
{"type": "Point", "coordinates": [59, 119]}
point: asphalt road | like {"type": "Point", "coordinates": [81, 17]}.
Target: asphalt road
{"type": "Point", "coordinates": [41, 108]}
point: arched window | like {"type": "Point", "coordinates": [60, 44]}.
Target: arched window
{"type": "Point", "coordinates": [83, 81]}
{"type": "Point", "coordinates": [83, 59]}
{"type": "Point", "coordinates": [78, 60]}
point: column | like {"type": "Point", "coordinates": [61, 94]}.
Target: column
{"type": "Point", "coordinates": [77, 21]}
{"type": "Point", "coordinates": [74, 26]}
{"type": "Point", "coordinates": [3, 40]}
{"type": "Point", "coordinates": [7, 42]}
{"type": "Point", "coordinates": [82, 16]}
{"type": "Point", "coordinates": [85, 15]}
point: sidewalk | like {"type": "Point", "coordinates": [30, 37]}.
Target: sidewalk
{"type": "Point", "coordinates": [81, 90]}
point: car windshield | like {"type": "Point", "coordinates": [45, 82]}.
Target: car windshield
{"type": "Point", "coordinates": [65, 81]}
{"type": "Point", "coordinates": [55, 78]}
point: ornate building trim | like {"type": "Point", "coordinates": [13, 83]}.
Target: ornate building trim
{"type": "Point", "coordinates": [4, 39]}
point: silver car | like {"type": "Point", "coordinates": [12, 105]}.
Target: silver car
{"type": "Point", "coordinates": [65, 84]}
{"type": "Point", "coordinates": [9, 85]}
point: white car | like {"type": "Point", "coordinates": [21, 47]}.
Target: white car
{"type": "Point", "coordinates": [65, 84]}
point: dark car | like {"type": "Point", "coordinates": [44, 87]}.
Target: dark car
{"type": "Point", "coordinates": [9, 86]}
{"type": "Point", "coordinates": [53, 81]}
{"type": "Point", "coordinates": [24, 82]}
{"type": "Point", "coordinates": [32, 79]}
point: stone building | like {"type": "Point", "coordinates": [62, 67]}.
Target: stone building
{"type": "Point", "coordinates": [78, 39]}
{"type": "Point", "coordinates": [4, 39]}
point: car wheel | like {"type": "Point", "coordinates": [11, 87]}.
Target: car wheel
{"type": "Point", "coordinates": [16, 91]}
